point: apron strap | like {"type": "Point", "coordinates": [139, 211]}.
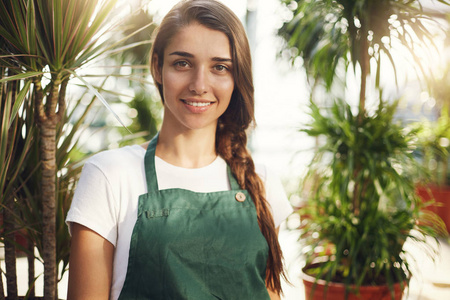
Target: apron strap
{"type": "Point", "coordinates": [149, 163]}
{"type": "Point", "coordinates": [150, 169]}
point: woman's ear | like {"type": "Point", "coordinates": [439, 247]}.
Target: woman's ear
{"type": "Point", "coordinates": [156, 69]}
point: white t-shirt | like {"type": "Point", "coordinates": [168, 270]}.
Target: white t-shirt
{"type": "Point", "coordinates": [106, 198]}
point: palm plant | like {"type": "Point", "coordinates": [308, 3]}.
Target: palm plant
{"type": "Point", "coordinates": [436, 135]}
{"type": "Point", "coordinates": [364, 228]}
{"type": "Point", "coordinates": [327, 32]}
{"type": "Point", "coordinates": [362, 204]}
{"type": "Point", "coordinates": [15, 148]}
{"type": "Point", "coordinates": [29, 211]}
{"type": "Point", "coordinates": [434, 149]}
{"type": "Point", "coordinates": [46, 41]}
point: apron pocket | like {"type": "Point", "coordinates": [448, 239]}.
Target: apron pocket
{"type": "Point", "coordinates": [157, 213]}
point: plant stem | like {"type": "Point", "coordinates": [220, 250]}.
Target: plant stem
{"type": "Point", "coordinates": [48, 184]}
{"type": "Point", "coordinates": [365, 69]}
{"type": "Point", "coordinates": [48, 152]}
{"type": "Point", "coordinates": [9, 222]}
{"type": "Point", "coordinates": [30, 260]}
{"type": "Point", "coordinates": [10, 248]}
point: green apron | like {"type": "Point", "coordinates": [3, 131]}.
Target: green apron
{"type": "Point", "coordinates": [188, 245]}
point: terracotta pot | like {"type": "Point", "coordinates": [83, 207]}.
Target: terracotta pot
{"type": "Point", "coordinates": [20, 237]}
{"type": "Point", "coordinates": [336, 291]}
{"type": "Point", "coordinates": [441, 196]}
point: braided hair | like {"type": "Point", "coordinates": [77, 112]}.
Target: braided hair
{"type": "Point", "coordinates": [231, 135]}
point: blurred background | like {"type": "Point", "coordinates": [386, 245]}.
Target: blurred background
{"type": "Point", "coordinates": [286, 80]}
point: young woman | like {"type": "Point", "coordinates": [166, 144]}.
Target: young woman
{"type": "Point", "coordinates": [187, 215]}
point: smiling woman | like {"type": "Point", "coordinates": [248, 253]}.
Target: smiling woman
{"type": "Point", "coordinates": [186, 215]}
{"type": "Point", "coordinates": [196, 81]}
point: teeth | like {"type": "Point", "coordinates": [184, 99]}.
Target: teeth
{"type": "Point", "coordinates": [198, 104]}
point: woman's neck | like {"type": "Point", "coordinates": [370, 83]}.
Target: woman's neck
{"type": "Point", "coordinates": [187, 148]}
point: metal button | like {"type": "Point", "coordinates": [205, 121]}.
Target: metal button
{"type": "Point", "coordinates": [240, 197]}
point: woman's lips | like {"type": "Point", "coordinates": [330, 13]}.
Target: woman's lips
{"type": "Point", "coordinates": [196, 106]}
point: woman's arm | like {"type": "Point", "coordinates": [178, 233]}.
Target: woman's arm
{"type": "Point", "coordinates": [91, 264]}
{"type": "Point", "coordinates": [273, 295]}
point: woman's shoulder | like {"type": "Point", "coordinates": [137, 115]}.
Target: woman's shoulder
{"type": "Point", "coordinates": [264, 172]}
{"type": "Point", "coordinates": [118, 161]}
{"type": "Point", "coordinates": [269, 177]}
{"type": "Point", "coordinates": [275, 193]}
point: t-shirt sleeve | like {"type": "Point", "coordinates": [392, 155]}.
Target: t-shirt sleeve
{"type": "Point", "coordinates": [275, 195]}
{"type": "Point", "coordinates": [93, 204]}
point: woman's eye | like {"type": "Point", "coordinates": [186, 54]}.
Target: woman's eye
{"type": "Point", "coordinates": [221, 68]}
{"type": "Point", "coordinates": [181, 64]}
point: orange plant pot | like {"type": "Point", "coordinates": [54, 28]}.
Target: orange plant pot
{"type": "Point", "coordinates": [441, 196]}
{"type": "Point", "coordinates": [336, 291]}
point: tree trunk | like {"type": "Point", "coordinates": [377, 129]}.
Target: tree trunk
{"type": "Point", "coordinates": [365, 70]}
{"type": "Point", "coordinates": [365, 65]}
{"type": "Point", "coordinates": [48, 117]}
{"type": "Point", "coordinates": [31, 275]}
{"type": "Point", "coordinates": [9, 220]}
{"type": "Point", "coordinates": [48, 183]}
{"type": "Point", "coordinates": [10, 248]}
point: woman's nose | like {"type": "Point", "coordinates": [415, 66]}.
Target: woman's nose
{"type": "Point", "coordinates": [199, 81]}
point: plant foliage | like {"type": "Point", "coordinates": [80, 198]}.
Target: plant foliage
{"type": "Point", "coordinates": [434, 148]}
{"type": "Point", "coordinates": [326, 32]}
{"type": "Point", "coordinates": [363, 206]}
{"type": "Point", "coordinates": [43, 43]}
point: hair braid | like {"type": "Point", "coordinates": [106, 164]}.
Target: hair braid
{"type": "Point", "coordinates": [231, 138]}
{"type": "Point", "coordinates": [231, 146]}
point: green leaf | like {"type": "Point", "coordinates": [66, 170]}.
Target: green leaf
{"type": "Point", "coordinates": [100, 97]}
{"type": "Point", "coordinates": [57, 29]}
{"type": "Point", "coordinates": [31, 33]}
{"type": "Point", "coordinates": [21, 76]}
{"type": "Point", "coordinates": [19, 101]}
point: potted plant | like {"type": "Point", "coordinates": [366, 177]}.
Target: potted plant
{"type": "Point", "coordinates": [434, 151]}
{"type": "Point", "coordinates": [43, 46]}
{"type": "Point", "coordinates": [361, 206]}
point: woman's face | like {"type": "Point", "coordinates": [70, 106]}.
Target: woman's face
{"type": "Point", "coordinates": [196, 78]}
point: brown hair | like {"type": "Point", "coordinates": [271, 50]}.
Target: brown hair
{"type": "Point", "coordinates": [231, 136]}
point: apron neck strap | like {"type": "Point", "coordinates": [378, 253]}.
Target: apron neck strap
{"type": "Point", "coordinates": [150, 169]}
{"type": "Point", "coordinates": [149, 162]}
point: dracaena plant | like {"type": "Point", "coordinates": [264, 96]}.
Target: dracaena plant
{"type": "Point", "coordinates": [326, 33]}
{"type": "Point", "coordinates": [363, 206]}
{"type": "Point", "coordinates": [44, 42]}
{"type": "Point", "coordinates": [435, 135]}
{"type": "Point", "coordinates": [434, 149]}
{"type": "Point", "coordinates": [28, 210]}
{"type": "Point", "coordinates": [15, 147]}
{"type": "Point", "coordinates": [361, 200]}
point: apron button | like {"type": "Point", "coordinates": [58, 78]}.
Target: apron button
{"type": "Point", "coordinates": [240, 197]}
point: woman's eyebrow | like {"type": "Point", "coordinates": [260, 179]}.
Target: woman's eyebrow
{"type": "Point", "coordinates": [222, 59]}
{"type": "Point", "coordinates": [182, 53]}
{"type": "Point", "coordinates": [187, 54]}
